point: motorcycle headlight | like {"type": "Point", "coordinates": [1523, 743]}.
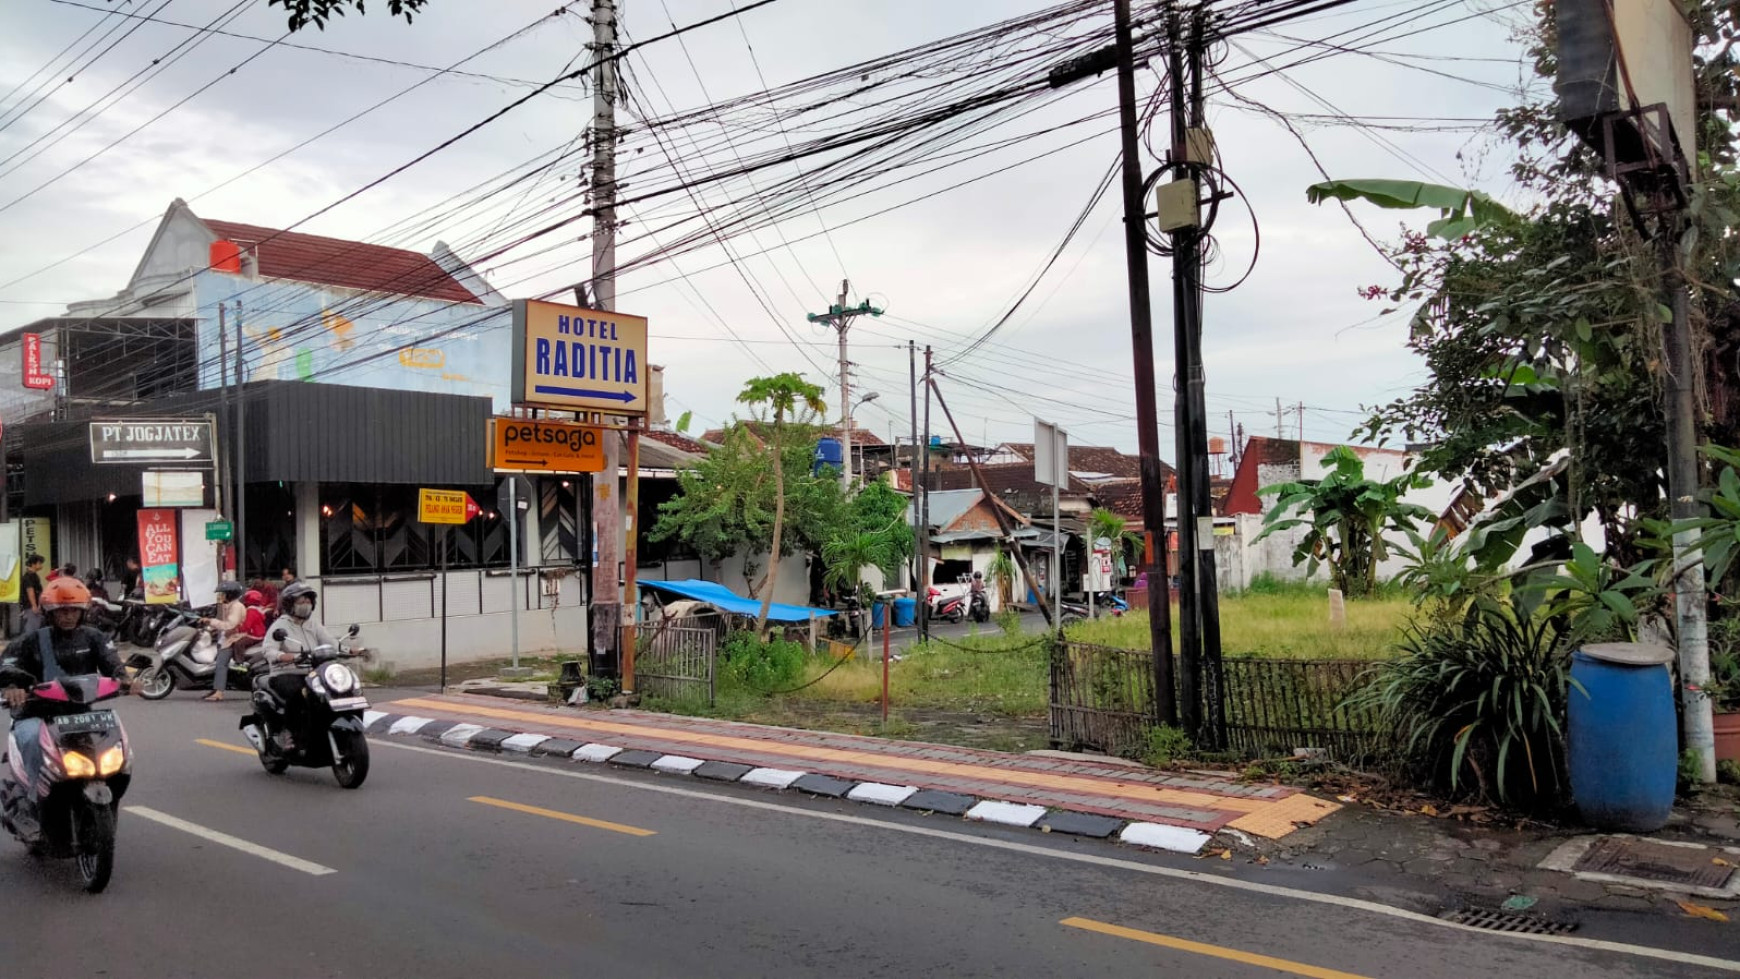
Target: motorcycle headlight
{"type": "Point", "coordinates": [78, 765]}
{"type": "Point", "coordinates": [338, 678]}
{"type": "Point", "coordinates": [111, 761]}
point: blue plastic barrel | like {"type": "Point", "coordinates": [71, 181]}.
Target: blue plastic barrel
{"type": "Point", "coordinates": [829, 452]}
{"type": "Point", "coordinates": [877, 613]}
{"type": "Point", "coordinates": [905, 612]}
{"type": "Point", "coordinates": [1622, 737]}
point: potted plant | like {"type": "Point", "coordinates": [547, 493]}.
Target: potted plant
{"type": "Point", "coordinates": [1724, 690]}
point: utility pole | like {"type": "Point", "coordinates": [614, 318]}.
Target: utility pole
{"type": "Point", "coordinates": [605, 613]}
{"type": "Point", "coordinates": [923, 507]}
{"type": "Point", "coordinates": [1142, 345]}
{"type": "Point", "coordinates": [1280, 433]}
{"type": "Point", "coordinates": [840, 318]}
{"type": "Point", "coordinates": [912, 479]}
{"type": "Point", "coordinates": [239, 463]}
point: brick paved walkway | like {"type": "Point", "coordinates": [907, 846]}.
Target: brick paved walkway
{"type": "Point", "coordinates": [1193, 802]}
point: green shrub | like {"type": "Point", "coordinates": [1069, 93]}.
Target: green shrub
{"type": "Point", "coordinates": [1477, 705]}
{"type": "Point", "coordinates": [761, 667]}
{"type": "Point", "coordinates": [1163, 744]}
{"type": "Point", "coordinates": [1009, 620]}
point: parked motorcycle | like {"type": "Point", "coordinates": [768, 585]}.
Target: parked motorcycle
{"type": "Point", "coordinates": [951, 608]}
{"type": "Point", "coordinates": [184, 658]}
{"type": "Point", "coordinates": [155, 620]}
{"type": "Point", "coordinates": [326, 729]}
{"type": "Point", "coordinates": [86, 765]}
{"type": "Point", "coordinates": [979, 607]}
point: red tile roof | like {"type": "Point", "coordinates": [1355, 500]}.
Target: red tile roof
{"type": "Point", "coordinates": [346, 264]}
{"type": "Point", "coordinates": [1094, 459]}
{"type": "Point", "coordinates": [678, 440]}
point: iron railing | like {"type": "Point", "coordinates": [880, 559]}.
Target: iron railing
{"type": "Point", "coordinates": [1102, 698]}
{"type": "Point", "coordinates": [678, 662]}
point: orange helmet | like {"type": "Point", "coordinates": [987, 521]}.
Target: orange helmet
{"type": "Point", "coordinates": [65, 592]}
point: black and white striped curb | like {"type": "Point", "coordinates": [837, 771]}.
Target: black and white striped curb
{"type": "Point", "coordinates": [459, 734]}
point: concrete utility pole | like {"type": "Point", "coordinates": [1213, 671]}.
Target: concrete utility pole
{"type": "Point", "coordinates": [605, 614]}
{"type": "Point", "coordinates": [840, 318]}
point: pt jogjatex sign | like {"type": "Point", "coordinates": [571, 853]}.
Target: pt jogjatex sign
{"type": "Point", "coordinates": [180, 441]}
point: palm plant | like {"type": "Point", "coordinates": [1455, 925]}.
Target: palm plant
{"type": "Point", "coordinates": [783, 395]}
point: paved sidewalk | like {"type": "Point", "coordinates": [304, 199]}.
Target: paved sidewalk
{"type": "Point", "coordinates": [1101, 789]}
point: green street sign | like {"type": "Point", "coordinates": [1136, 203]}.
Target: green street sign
{"type": "Point", "coordinates": [220, 530]}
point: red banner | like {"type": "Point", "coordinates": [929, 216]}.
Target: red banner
{"type": "Point", "coordinates": [34, 378]}
{"type": "Point", "coordinates": [158, 555]}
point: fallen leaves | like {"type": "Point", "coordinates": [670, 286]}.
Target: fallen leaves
{"type": "Point", "coordinates": [1700, 911]}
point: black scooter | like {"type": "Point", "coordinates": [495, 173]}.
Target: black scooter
{"type": "Point", "coordinates": [325, 728]}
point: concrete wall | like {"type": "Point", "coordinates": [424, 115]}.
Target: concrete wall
{"type": "Point", "coordinates": [400, 615]}
{"type": "Point", "coordinates": [793, 587]}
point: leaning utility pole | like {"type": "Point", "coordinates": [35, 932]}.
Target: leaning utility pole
{"type": "Point", "coordinates": [605, 614]}
{"type": "Point", "coordinates": [840, 318]}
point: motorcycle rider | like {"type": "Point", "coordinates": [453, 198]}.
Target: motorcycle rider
{"type": "Point", "coordinates": [301, 635]}
{"type": "Point", "coordinates": [64, 647]}
{"type": "Point", "coordinates": [231, 613]}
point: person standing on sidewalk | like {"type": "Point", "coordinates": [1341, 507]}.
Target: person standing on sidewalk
{"type": "Point", "coordinates": [30, 588]}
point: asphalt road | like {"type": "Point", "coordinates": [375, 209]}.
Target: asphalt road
{"type": "Point", "coordinates": [465, 865]}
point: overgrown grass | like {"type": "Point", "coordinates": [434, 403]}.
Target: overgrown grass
{"type": "Point", "coordinates": [1286, 622]}
{"type": "Point", "coordinates": [997, 674]}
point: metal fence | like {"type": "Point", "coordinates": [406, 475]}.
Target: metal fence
{"type": "Point", "coordinates": [678, 662]}
{"type": "Point", "coordinates": [1102, 698]}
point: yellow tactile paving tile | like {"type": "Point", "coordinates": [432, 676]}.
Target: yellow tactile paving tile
{"type": "Point", "coordinates": [1283, 816]}
{"type": "Point", "coordinates": [1268, 817]}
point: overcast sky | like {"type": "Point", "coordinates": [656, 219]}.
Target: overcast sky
{"type": "Point", "coordinates": [944, 268]}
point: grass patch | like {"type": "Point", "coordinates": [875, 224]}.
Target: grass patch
{"type": "Point", "coordinates": [1285, 622]}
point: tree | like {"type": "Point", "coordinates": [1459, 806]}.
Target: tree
{"type": "Point", "coordinates": [1541, 330]}
{"type": "Point", "coordinates": [724, 503]}
{"type": "Point", "coordinates": [317, 12]}
{"type": "Point", "coordinates": [1103, 524]}
{"type": "Point", "coordinates": [784, 396]}
{"type": "Point", "coordinates": [1346, 516]}
{"type": "Point", "coordinates": [875, 534]}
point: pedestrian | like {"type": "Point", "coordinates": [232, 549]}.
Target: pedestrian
{"type": "Point", "coordinates": [130, 578]}
{"type": "Point", "coordinates": [289, 575]}
{"type": "Point", "coordinates": [30, 588]}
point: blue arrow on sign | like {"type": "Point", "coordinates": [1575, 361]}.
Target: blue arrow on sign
{"type": "Point", "coordinates": [622, 396]}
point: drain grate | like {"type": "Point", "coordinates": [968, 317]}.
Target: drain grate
{"type": "Point", "coordinates": [1642, 860]}
{"type": "Point", "coordinates": [1518, 924]}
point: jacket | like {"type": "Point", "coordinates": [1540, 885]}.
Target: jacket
{"type": "Point", "coordinates": [82, 651]}
{"type": "Point", "coordinates": [300, 637]}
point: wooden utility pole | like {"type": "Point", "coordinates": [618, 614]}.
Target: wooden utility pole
{"type": "Point", "coordinates": [840, 318]}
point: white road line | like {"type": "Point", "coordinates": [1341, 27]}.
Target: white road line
{"type": "Point", "coordinates": [225, 839]}
{"type": "Point", "coordinates": [1268, 890]}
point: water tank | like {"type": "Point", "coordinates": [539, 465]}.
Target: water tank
{"type": "Point", "coordinates": [226, 256]}
{"type": "Point", "coordinates": [905, 612]}
{"type": "Point", "coordinates": [829, 452]}
{"type": "Point", "coordinates": [1217, 446]}
{"type": "Point", "coordinates": [1622, 737]}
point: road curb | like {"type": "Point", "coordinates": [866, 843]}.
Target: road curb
{"type": "Point", "coordinates": [473, 737]}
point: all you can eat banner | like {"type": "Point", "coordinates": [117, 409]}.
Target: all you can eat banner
{"type": "Point", "coordinates": [158, 556]}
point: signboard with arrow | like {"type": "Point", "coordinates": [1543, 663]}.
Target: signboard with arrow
{"type": "Point", "coordinates": [568, 358]}
{"type": "Point", "coordinates": [179, 441]}
{"type": "Point", "coordinates": [544, 446]}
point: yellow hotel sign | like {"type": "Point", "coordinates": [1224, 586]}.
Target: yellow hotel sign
{"type": "Point", "coordinates": [445, 506]}
{"type": "Point", "coordinates": [571, 359]}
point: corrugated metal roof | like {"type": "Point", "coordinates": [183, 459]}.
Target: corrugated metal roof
{"type": "Point", "coordinates": [347, 264]}
{"type": "Point", "coordinates": [947, 506]}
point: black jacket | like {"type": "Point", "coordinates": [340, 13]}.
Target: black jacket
{"type": "Point", "coordinates": [82, 651]}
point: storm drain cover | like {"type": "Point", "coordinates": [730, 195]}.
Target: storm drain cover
{"type": "Point", "coordinates": [1520, 924]}
{"type": "Point", "coordinates": [1643, 860]}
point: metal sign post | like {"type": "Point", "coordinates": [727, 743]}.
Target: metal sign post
{"type": "Point", "coordinates": [1051, 465]}
{"type": "Point", "coordinates": [511, 499]}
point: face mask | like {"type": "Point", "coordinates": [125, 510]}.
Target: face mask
{"type": "Point", "coordinates": [302, 610]}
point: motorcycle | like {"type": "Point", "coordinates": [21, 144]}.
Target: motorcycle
{"type": "Point", "coordinates": [327, 729]}
{"type": "Point", "coordinates": [155, 620]}
{"type": "Point", "coordinates": [951, 608]}
{"type": "Point", "coordinates": [103, 613]}
{"type": "Point", "coordinates": [184, 658]}
{"type": "Point", "coordinates": [86, 767]}
{"type": "Point", "coordinates": [979, 607]}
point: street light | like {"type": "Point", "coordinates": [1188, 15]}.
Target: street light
{"type": "Point", "coordinates": [847, 474]}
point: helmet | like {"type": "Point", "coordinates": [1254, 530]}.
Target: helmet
{"type": "Point", "coordinates": [253, 597]}
{"type": "Point", "coordinates": [295, 590]}
{"type": "Point", "coordinates": [977, 575]}
{"type": "Point", "coordinates": [64, 592]}
{"type": "Point", "coordinates": [230, 590]}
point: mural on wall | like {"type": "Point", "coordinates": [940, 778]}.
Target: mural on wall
{"type": "Point", "coordinates": [333, 336]}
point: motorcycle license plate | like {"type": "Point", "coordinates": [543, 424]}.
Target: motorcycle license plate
{"type": "Point", "coordinates": [85, 723]}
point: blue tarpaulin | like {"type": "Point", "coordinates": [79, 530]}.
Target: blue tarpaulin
{"type": "Point", "coordinates": [726, 600]}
